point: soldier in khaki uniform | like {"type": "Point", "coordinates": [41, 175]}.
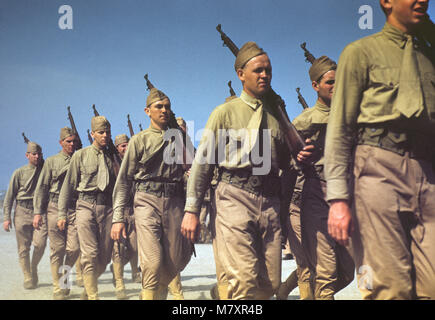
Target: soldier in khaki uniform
{"type": "Point", "coordinates": [301, 276]}
{"type": "Point", "coordinates": [248, 230]}
{"type": "Point", "coordinates": [125, 251]}
{"type": "Point", "coordinates": [64, 241]}
{"type": "Point", "coordinates": [91, 175]}
{"type": "Point", "coordinates": [383, 117]}
{"type": "Point", "coordinates": [330, 263]}
{"type": "Point", "coordinates": [21, 188]}
{"type": "Point", "coordinates": [152, 163]}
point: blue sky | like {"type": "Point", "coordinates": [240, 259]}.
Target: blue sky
{"type": "Point", "coordinates": [103, 59]}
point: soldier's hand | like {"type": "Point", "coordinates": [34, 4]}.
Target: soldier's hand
{"type": "Point", "coordinates": [7, 225]}
{"type": "Point", "coordinates": [37, 221]}
{"type": "Point", "coordinates": [190, 226]}
{"type": "Point", "coordinates": [340, 224]}
{"type": "Point", "coordinates": [61, 224]}
{"type": "Point", "coordinates": [118, 229]}
{"type": "Point", "coordinates": [306, 154]}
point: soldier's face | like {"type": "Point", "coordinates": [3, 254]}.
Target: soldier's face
{"type": "Point", "coordinates": [35, 158]}
{"type": "Point", "coordinates": [325, 87]}
{"type": "Point", "coordinates": [101, 138]}
{"type": "Point", "coordinates": [159, 113]}
{"type": "Point", "coordinates": [69, 144]}
{"type": "Point", "coordinates": [405, 14]}
{"type": "Point", "coordinates": [256, 76]}
{"type": "Point", "coordinates": [122, 148]}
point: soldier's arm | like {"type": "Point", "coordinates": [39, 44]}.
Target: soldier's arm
{"type": "Point", "coordinates": [69, 186]}
{"type": "Point", "coordinates": [350, 82]}
{"type": "Point", "coordinates": [8, 202]}
{"type": "Point", "coordinates": [40, 196]}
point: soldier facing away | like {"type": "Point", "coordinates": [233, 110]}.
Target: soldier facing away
{"type": "Point", "coordinates": [21, 189]}
{"type": "Point", "coordinates": [383, 117]}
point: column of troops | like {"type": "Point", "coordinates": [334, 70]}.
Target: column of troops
{"type": "Point", "coordinates": [354, 194]}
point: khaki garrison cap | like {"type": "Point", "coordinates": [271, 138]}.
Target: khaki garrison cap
{"type": "Point", "coordinates": [248, 51]}
{"type": "Point", "coordinates": [320, 67]}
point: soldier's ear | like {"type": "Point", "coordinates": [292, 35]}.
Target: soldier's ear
{"type": "Point", "coordinates": [147, 110]}
{"type": "Point", "coordinates": [386, 6]}
{"type": "Point", "coordinates": [241, 74]}
{"type": "Point", "coordinates": [315, 86]}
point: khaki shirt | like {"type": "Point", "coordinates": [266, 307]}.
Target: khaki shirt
{"type": "Point", "coordinates": [144, 161]}
{"type": "Point", "coordinates": [50, 180]}
{"type": "Point", "coordinates": [82, 176]}
{"type": "Point", "coordinates": [21, 187]}
{"type": "Point", "coordinates": [366, 87]}
{"type": "Point", "coordinates": [234, 114]}
{"type": "Point", "coordinates": [312, 124]}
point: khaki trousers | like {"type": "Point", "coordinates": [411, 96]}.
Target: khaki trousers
{"type": "Point", "coordinates": [248, 239]}
{"type": "Point", "coordinates": [128, 251]}
{"type": "Point", "coordinates": [94, 223]}
{"type": "Point", "coordinates": [64, 245]}
{"type": "Point", "coordinates": [163, 251]}
{"type": "Point", "coordinates": [295, 242]}
{"type": "Point", "coordinates": [394, 217]}
{"type": "Point", "coordinates": [331, 264]}
{"type": "Point", "coordinates": [27, 235]}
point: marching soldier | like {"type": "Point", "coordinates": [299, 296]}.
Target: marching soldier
{"type": "Point", "coordinates": [383, 117]}
{"type": "Point", "coordinates": [247, 194]}
{"type": "Point", "coordinates": [125, 251]}
{"type": "Point", "coordinates": [159, 199]}
{"type": "Point", "coordinates": [91, 175]}
{"type": "Point", "coordinates": [64, 242]}
{"type": "Point", "coordinates": [330, 263]}
{"type": "Point", "coordinates": [21, 188]}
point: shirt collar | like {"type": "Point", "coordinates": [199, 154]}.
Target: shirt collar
{"type": "Point", "coordinates": [254, 103]}
{"type": "Point", "coordinates": [65, 156]}
{"type": "Point", "coordinates": [397, 36]}
{"type": "Point", "coordinates": [322, 107]}
{"type": "Point", "coordinates": [155, 130]}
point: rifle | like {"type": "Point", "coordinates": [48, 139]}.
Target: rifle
{"type": "Point", "coordinates": [91, 141]}
{"type": "Point", "coordinates": [294, 141]}
{"type": "Point", "coordinates": [173, 124]}
{"type": "Point", "coordinates": [74, 128]}
{"type": "Point", "coordinates": [301, 99]}
{"type": "Point", "coordinates": [25, 138]}
{"type": "Point", "coordinates": [231, 89]}
{"type": "Point", "coordinates": [130, 127]}
{"type": "Point", "coordinates": [140, 127]}
{"type": "Point", "coordinates": [309, 57]}
{"type": "Point", "coordinates": [95, 111]}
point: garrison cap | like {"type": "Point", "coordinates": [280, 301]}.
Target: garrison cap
{"type": "Point", "coordinates": [100, 123]}
{"type": "Point", "coordinates": [155, 95]}
{"type": "Point", "coordinates": [66, 132]}
{"type": "Point", "coordinates": [121, 138]}
{"type": "Point", "coordinates": [320, 66]}
{"type": "Point", "coordinates": [33, 147]}
{"type": "Point", "coordinates": [248, 51]}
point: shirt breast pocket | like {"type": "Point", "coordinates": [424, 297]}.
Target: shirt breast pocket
{"type": "Point", "coordinates": [90, 169]}
{"type": "Point", "coordinates": [386, 79]}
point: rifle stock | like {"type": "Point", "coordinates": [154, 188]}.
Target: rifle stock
{"type": "Point", "coordinates": [308, 56]}
{"type": "Point", "coordinates": [130, 127]}
{"type": "Point", "coordinates": [26, 140]}
{"type": "Point", "coordinates": [90, 138]}
{"type": "Point", "coordinates": [231, 89]}
{"type": "Point", "coordinates": [294, 141]}
{"type": "Point", "coordinates": [74, 128]}
{"type": "Point", "coordinates": [301, 99]}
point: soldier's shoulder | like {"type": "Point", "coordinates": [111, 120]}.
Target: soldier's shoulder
{"type": "Point", "coordinates": [361, 45]}
{"type": "Point", "coordinates": [227, 105]}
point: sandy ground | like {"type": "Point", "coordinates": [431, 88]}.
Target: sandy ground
{"type": "Point", "coordinates": [197, 278]}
